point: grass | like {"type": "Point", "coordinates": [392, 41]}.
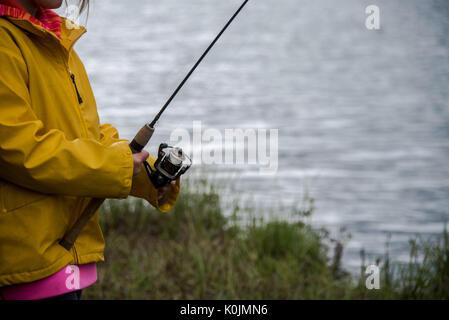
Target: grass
{"type": "Point", "coordinates": [197, 252]}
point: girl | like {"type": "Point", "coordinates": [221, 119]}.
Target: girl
{"type": "Point", "coordinates": [54, 156]}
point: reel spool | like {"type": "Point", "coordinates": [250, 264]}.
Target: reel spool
{"type": "Point", "coordinates": [171, 163]}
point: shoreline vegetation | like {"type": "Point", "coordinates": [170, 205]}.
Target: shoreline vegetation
{"type": "Point", "coordinates": [197, 252]}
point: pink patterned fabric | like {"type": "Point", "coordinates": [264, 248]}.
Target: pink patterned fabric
{"type": "Point", "coordinates": [70, 278]}
{"type": "Point", "coordinates": [46, 18]}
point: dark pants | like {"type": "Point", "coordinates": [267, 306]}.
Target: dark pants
{"type": "Point", "coordinates": [75, 295]}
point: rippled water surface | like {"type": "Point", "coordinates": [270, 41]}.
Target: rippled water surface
{"type": "Point", "coordinates": [362, 115]}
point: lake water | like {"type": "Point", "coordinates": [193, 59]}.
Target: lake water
{"type": "Point", "coordinates": [363, 115]}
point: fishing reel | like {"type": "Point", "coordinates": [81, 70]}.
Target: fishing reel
{"type": "Point", "coordinates": [171, 163]}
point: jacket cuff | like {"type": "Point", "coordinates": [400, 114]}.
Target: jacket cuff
{"type": "Point", "coordinates": [126, 168]}
{"type": "Point", "coordinates": [142, 187]}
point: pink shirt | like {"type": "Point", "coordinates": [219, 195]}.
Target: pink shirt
{"type": "Point", "coordinates": [68, 279]}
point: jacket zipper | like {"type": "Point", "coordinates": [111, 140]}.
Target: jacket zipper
{"type": "Point", "coordinates": [80, 100]}
{"type": "Point", "coordinates": [72, 79]}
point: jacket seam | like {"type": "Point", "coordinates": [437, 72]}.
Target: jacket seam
{"type": "Point", "coordinates": [25, 204]}
{"type": "Point", "coordinates": [13, 38]}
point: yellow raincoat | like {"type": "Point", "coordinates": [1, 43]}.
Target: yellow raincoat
{"type": "Point", "coordinates": [54, 154]}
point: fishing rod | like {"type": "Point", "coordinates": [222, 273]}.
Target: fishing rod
{"type": "Point", "coordinates": [144, 135]}
{"type": "Point", "coordinates": [171, 162]}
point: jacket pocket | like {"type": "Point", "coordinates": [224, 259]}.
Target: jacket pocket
{"type": "Point", "coordinates": [14, 197]}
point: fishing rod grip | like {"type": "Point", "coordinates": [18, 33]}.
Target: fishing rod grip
{"type": "Point", "coordinates": [141, 139]}
{"type": "Point", "coordinates": [139, 142]}
{"type": "Point", "coordinates": [71, 236]}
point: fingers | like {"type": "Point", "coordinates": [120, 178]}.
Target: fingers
{"type": "Point", "coordinates": [164, 191]}
{"type": "Point", "coordinates": [167, 188]}
{"type": "Point", "coordinates": [162, 197]}
{"type": "Point", "coordinates": [142, 156]}
{"type": "Point", "coordinates": [139, 158]}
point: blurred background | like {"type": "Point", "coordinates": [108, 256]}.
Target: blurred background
{"type": "Point", "coordinates": [363, 115]}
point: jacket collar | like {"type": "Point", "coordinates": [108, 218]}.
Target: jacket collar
{"type": "Point", "coordinates": [45, 18]}
{"type": "Point", "coordinates": [12, 3]}
{"type": "Point", "coordinates": [62, 29]}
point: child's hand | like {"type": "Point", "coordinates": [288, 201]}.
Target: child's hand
{"type": "Point", "coordinates": [139, 158]}
{"type": "Point", "coordinates": [164, 191]}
